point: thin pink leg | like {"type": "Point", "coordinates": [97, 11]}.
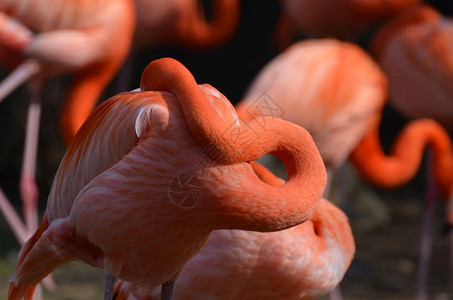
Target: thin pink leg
{"type": "Point", "coordinates": [426, 240]}
{"type": "Point", "coordinates": [109, 285]}
{"type": "Point", "coordinates": [28, 187]}
{"type": "Point", "coordinates": [335, 294]}
{"type": "Point", "coordinates": [167, 290]}
{"type": "Point", "coordinates": [13, 219]}
{"type": "Point", "coordinates": [20, 231]}
{"type": "Point", "coordinates": [450, 233]}
{"type": "Point", "coordinates": [21, 74]}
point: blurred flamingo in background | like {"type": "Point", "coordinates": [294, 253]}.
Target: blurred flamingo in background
{"type": "Point", "coordinates": [45, 38]}
{"type": "Point", "coordinates": [344, 19]}
{"type": "Point", "coordinates": [336, 91]}
{"type": "Point", "coordinates": [333, 89]}
{"type": "Point", "coordinates": [415, 51]}
{"type": "Point", "coordinates": [302, 262]}
{"type": "Point", "coordinates": [129, 198]}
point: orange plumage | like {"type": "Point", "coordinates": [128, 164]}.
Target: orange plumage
{"type": "Point", "coordinates": [110, 204]}
{"type": "Point", "coordinates": [302, 262]}
{"type": "Point", "coordinates": [415, 52]}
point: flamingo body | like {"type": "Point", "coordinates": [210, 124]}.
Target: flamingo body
{"type": "Point", "coordinates": [114, 188]}
{"type": "Point", "coordinates": [302, 262]}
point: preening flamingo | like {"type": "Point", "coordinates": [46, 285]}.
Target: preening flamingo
{"type": "Point", "coordinates": [44, 38]}
{"type": "Point", "coordinates": [345, 19]}
{"type": "Point", "coordinates": [415, 51]}
{"type": "Point", "coordinates": [117, 201]}
{"type": "Point", "coordinates": [336, 91]}
{"type": "Point", "coordinates": [302, 262]}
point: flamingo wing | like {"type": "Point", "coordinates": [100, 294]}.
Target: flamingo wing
{"type": "Point", "coordinates": [110, 133]}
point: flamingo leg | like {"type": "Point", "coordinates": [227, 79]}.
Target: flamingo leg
{"type": "Point", "coordinates": [109, 285]}
{"type": "Point", "coordinates": [450, 233]}
{"type": "Point", "coordinates": [13, 219]}
{"type": "Point", "coordinates": [336, 294]}
{"type": "Point", "coordinates": [167, 290]}
{"type": "Point", "coordinates": [426, 240]}
{"type": "Point", "coordinates": [29, 189]}
{"type": "Point", "coordinates": [21, 232]}
{"type": "Point", "coordinates": [21, 74]}
{"type": "Point", "coordinates": [327, 190]}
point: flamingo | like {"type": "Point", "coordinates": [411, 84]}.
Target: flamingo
{"type": "Point", "coordinates": [312, 84]}
{"type": "Point", "coordinates": [415, 52]}
{"type": "Point", "coordinates": [87, 38]}
{"type": "Point", "coordinates": [336, 91]}
{"type": "Point", "coordinates": [344, 19]}
{"type": "Point", "coordinates": [302, 262]}
{"type": "Point", "coordinates": [153, 172]}
{"type": "Point", "coordinates": [44, 38]}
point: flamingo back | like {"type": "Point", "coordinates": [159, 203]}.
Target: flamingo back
{"type": "Point", "coordinates": [417, 58]}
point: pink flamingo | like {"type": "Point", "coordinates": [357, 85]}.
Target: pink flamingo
{"type": "Point", "coordinates": [336, 91]}
{"type": "Point", "coordinates": [415, 52]}
{"type": "Point", "coordinates": [125, 178]}
{"type": "Point", "coordinates": [302, 262]}
{"type": "Point", "coordinates": [44, 38]}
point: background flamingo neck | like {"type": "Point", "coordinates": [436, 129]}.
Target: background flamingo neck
{"type": "Point", "coordinates": [401, 165]}
{"type": "Point", "coordinates": [201, 33]}
{"type": "Point", "coordinates": [83, 95]}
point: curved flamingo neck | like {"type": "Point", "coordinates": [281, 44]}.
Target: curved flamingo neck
{"type": "Point", "coordinates": [232, 141]}
{"type": "Point", "coordinates": [401, 165]}
{"type": "Point", "coordinates": [196, 32]}
{"type": "Point", "coordinates": [84, 92]}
